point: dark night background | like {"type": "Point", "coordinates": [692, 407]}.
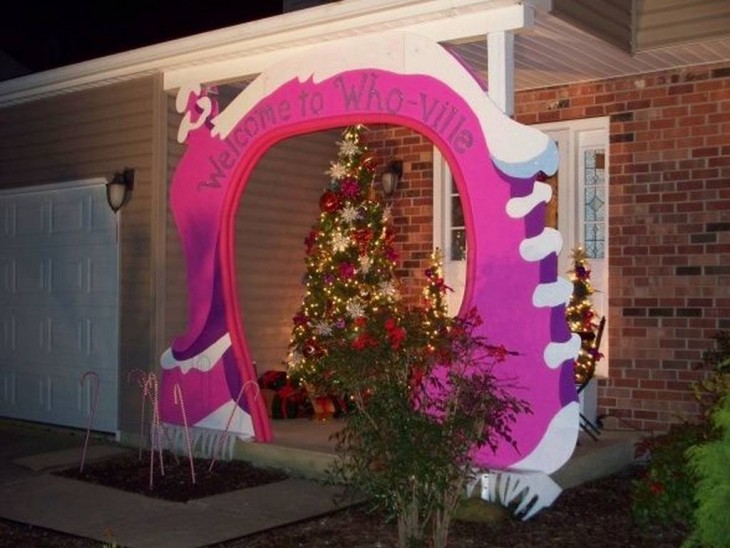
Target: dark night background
{"type": "Point", "coordinates": [44, 35]}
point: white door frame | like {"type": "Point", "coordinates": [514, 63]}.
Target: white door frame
{"type": "Point", "coordinates": [573, 138]}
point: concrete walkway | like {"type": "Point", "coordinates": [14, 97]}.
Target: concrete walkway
{"type": "Point", "coordinates": [30, 494]}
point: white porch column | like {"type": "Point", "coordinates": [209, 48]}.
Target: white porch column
{"type": "Point", "coordinates": [501, 69]}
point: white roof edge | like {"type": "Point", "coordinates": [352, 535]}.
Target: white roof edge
{"type": "Point", "coordinates": [257, 39]}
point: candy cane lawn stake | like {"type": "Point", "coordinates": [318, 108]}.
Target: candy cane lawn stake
{"type": "Point", "coordinates": [224, 437]}
{"type": "Point", "coordinates": [92, 414]}
{"type": "Point", "coordinates": [178, 399]}
{"type": "Point", "coordinates": [141, 378]}
{"type": "Point", "coordinates": [156, 423]}
{"type": "Point", "coordinates": [152, 389]}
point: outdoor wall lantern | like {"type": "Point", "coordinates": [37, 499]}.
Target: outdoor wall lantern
{"type": "Point", "coordinates": [119, 189]}
{"type": "Point", "coordinates": [391, 178]}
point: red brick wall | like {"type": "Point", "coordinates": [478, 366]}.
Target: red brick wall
{"type": "Point", "coordinates": [412, 202]}
{"type": "Point", "coordinates": [669, 210]}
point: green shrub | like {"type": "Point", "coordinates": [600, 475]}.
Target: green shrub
{"type": "Point", "coordinates": [709, 462]}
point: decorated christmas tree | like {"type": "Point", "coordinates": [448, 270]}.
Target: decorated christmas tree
{"type": "Point", "coordinates": [350, 276]}
{"type": "Point", "coordinates": [582, 318]}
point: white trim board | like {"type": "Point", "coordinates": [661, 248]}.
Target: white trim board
{"type": "Point", "coordinates": [54, 186]}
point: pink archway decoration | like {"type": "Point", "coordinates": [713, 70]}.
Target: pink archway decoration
{"type": "Point", "coordinates": [512, 263]}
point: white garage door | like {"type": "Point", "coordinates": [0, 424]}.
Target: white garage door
{"type": "Point", "coordinates": [58, 304]}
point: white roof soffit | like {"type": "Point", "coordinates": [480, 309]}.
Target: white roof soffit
{"type": "Point", "coordinates": [242, 51]}
{"type": "Point", "coordinates": [555, 52]}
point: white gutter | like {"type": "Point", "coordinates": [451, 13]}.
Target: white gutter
{"type": "Point", "coordinates": [244, 50]}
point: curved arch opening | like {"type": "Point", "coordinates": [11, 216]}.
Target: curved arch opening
{"type": "Point", "coordinates": [280, 204]}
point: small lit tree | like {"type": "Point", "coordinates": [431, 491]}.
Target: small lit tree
{"type": "Point", "coordinates": [581, 317]}
{"type": "Point", "coordinates": [435, 307]}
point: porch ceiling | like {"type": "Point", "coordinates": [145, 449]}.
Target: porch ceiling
{"type": "Point", "coordinates": [554, 52]}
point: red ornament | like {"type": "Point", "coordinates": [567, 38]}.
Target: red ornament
{"type": "Point", "coordinates": [310, 240]}
{"type": "Point", "coordinates": [329, 202]}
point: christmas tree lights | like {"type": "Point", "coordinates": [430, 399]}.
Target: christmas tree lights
{"type": "Point", "coordinates": [581, 317]}
{"type": "Point", "coordinates": [350, 263]}
{"type": "Point", "coordinates": [435, 306]}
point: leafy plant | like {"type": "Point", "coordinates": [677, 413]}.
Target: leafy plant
{"type": "Point", "coordinates": [664, 494]}
{"type": "Point", "coordinates": [421, 410]}
{"type": "Point", "coordinates": [709, 463]}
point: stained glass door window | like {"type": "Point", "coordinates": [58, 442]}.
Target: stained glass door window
{"type": "Point", "coordinates": [594, 202]}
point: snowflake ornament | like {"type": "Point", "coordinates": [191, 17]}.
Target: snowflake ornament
{"type": "Point", "coordinates": [387, 214]}
{"type": "Point", "coordinates": [365, 264]}
{"type": "Point", "coordinates": [348, 148]}
{"type": "Point", "coordinates": [322, 328]}
{"type": "Point", "coordinates": [295, 358]}
{"type": "Point", "coordinates": [355, 308]}
{"type": "Point", "coordinates": [387, 289]}
{"type": "Point", "coordinates": [349, 214]}
{"type": "Point", "coordinates": [340, 242]}
{"type": "Point", "coordinates": [337, 171]}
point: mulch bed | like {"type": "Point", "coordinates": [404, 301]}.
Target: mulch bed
{"type": "Point", "coordinates": [596, 514]}
{"type": "Point", "coordinates": [130, 473]}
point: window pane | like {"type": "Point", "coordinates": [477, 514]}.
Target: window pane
{"type": "Point", "coordinates": [457, 214]}
{"type": "Point", "coordinates": [595, 209]}
{"type": "Point", "coordinates": [594, 203]}
{"type": "Point", "coordinates": [458, 244]}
